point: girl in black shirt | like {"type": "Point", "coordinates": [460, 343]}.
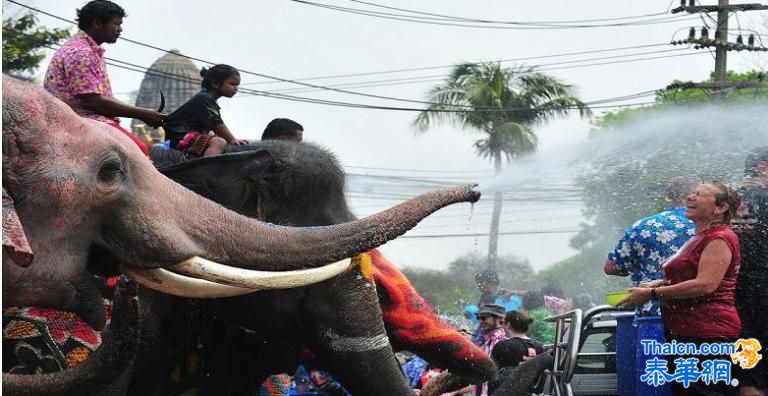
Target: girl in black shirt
{"type": "Point", "coordinates": [196, 127]}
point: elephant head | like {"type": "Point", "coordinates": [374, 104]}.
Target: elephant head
{"type": "Point", "coordinates": [87, 198]}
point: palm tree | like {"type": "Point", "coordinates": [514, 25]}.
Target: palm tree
{"type": "Point", "coordinates": [504, 105]}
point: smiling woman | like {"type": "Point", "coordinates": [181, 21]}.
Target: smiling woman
{"type": "Point", "coordinates": [698, 290]}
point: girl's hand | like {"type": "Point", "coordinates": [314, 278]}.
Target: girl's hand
{"type": "Point", "coordinates": [240, 142]}
{"type": "Point", "coordinates": [637, 296]}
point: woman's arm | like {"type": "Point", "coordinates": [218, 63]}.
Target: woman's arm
{"type": "Point", "coordinates": [713, 263]}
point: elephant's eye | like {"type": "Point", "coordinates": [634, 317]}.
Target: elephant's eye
{"type": "Point", "coordinates": [111, 171]}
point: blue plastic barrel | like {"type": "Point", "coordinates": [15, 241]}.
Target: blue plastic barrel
{"type": "Point", "coordinates": [648, 328]}
{"type": "Point", "coordinates": [626, 349]}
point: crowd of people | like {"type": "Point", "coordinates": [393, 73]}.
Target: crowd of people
{"type": "Point", "coordinates": [701, 264]}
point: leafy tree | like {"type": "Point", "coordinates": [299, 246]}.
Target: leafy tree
{"type": "Point", "coordinates": [23, 43]}
{"type": "Point", "coordinates": [452, 289]}
{"type": "Point", "coordinates": [504, 105]}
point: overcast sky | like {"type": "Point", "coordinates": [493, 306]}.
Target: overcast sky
{"type": "Point", "coordinates": [293, 40]}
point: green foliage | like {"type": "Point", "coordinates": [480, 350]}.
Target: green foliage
{"type": "Point", "coordinates": [733, 95]}
{"type": "Point", "coordinates": [23, 44]}
{"type": "Point", "coordinates": [666, 99]}
{"type": "Point", "coordinates": [583, 273]}
{"type": "Point", "coordinates": [452, 289]}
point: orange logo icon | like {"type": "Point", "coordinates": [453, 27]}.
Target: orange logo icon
{"type": "Point", "coordinates": [749, 354]}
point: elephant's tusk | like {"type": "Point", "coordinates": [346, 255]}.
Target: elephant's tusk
{"type": "Point", "coordinates": [183, 286]}
{"type": "Point", "coordinates": [201, 268]}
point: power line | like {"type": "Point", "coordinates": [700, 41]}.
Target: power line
{"type": "Point", "coordinates": [445, 22]}
{"type": "Point", "coordinates": [143, 69]}
{"type": "Point", "coordinates": [450, 66]}
{"type": "Point", "coordinates": [534, 68]}
{"type": "Point", "coordinates": [512, 22]}
{"type": "Point", "coordinates": [312, 100]}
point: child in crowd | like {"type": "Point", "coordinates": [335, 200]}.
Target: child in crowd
{"type": "Point", "coordinates": [196, 127]}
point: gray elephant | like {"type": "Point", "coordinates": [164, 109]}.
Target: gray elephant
{"type": "Point", "coordinates": [82, 197]}
{"type": "Point", "coordinates": [303, 185]}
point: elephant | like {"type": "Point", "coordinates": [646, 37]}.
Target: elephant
{"type": "Point", "coordinates": [301, 184]}
{"type": "Point", "coordinates": [82, 200]}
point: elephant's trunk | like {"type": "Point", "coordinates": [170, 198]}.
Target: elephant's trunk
{"type": "Point", "coordinates": [265, 245]}
{"type": "Point", "coordinates": [102, 367]}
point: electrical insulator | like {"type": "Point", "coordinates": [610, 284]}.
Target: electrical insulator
{"type": "Point", "coordinates": [751, 40]}
{"type": "Point", "coordinates": [705, 33]}
{"type": "Point", "coordinates": [692, 34]}
{"type": "Point", "coordinates": [740, 40]}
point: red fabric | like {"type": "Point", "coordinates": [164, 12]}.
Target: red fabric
{"type": "Point", "coordinates": [194, 143]}
{"type": "Point", "coordinates": [711, 316]}
{"type": "Point", "coordinates": [142, 146]}
{"type": "Point", "coordinates": [413, 322]}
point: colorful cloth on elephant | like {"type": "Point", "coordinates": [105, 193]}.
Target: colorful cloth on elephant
{"type": "Point", "coordinates": [78, 68]}
{"type": "Point", "coordinates": [411, 321]}
{"type": "Point", "coordinates": [37, 340]}
{"type": "Point", "coordinates": [276, 385]}
{"type": "Point", "coordinates": [194, 143]}
{"type": "Point", "coordinates": [646, 244]}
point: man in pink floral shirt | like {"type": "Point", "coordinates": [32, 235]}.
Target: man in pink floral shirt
{"type": "Point", "coordinates": [78, 75]}
{"type": "Point", "coordinates": [491, 317]}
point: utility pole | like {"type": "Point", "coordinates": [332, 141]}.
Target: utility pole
{"type": "Point", "coordinates": [720, 42]}
{"type": "Point", "coordinates": [721, 53]}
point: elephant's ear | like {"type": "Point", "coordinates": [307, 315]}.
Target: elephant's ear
{"type": "Point", "coordinates": [14, 239]}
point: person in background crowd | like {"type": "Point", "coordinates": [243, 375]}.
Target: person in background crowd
{"type": "Point", "coordinates": [698, 290]}
{"type": "Point", "coordinates": [283, 129]}
{"type": "Point", "coordinates": [490, 287]}
{"type": "Point", "coordinates": [78, 75]}
{"type": "Point", "coordinates": [554, 299]}
{"type": "Point", "coordinates": [196, 127]}
{"type": "Point", "coordinates": [490, 290]}
{"type": "Point", "coordinates": [752, 288]}
{"type": "Point", "coordinates": [518, 347]}
{"type": "Point", "coordinates": [647, 243]}
{"type": "Point", "coordinates": [539, 329]}
{"type": "Point", "coordinates": [583, 301]}
{"type": "Point", "coordinates": [413, 369]}
{"type": "Point", "coordinates": [553, 295]}
{"type": "Point", "coordinates": [491, 317]}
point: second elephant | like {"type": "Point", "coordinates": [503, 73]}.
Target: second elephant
{"type": "Point", "coordinates": [303, 185]}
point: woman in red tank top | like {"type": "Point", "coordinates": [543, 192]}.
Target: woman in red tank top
{"type": "Point", "coordinates": [698, 290]}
